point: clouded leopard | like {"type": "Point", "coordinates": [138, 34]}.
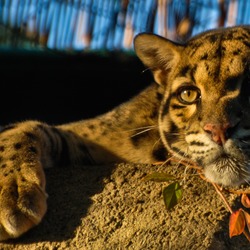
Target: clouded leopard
{"type": "Point", "coordinates": [197, 109]}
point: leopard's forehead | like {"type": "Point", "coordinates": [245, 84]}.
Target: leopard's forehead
{"type": "Point", "coordinates": [216, 56]}
{"type": "Point", "coordinates": [219, 43]}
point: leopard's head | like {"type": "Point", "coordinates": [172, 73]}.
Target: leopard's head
{"type": "Point", "coordinates": [205, 112]}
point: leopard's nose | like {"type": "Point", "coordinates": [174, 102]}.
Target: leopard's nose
{"type": "Point", "coordinates": [218, 132]}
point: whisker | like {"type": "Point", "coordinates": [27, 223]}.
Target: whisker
{"type": "Point", "coordinates": [245, 171]}
{"type": "Point", "coordinates": [156, 143]}
{"type": "Point", "coordinates": [140, 128]}
{"type": "Point", "coordinates": [246, 178]}
{"type": "Point", "coordinates": [141, 132]}
{"type": "Point", "coordinates": [176, 156]}
{"type": "Point", "coordinates": [148, 128]}
{"type": "Point", "coordinates": [247, 181]}
{"type": "Point", "coordinates": [164, 162]}
{"type": "Point", "coordinates": [246, 142]}
{"type": "Point", "coordinates": [145, 70]}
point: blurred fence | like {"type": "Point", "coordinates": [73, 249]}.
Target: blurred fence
{"type": "Point", "coordinates": [112, 24]}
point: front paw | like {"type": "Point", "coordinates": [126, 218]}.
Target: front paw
{"type": "Point", "coordinates": [22, 202]}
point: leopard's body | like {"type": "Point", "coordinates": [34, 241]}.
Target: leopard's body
{"type": "Point", "coordinates": [197, 110]}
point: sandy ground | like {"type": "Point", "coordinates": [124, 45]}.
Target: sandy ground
{"type": "Point", "coordinates": [107, 207]}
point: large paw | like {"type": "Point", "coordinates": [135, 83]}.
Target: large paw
{"type": "Point", "coordinates": [22, 200]}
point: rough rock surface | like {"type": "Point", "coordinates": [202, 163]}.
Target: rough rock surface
{"type": "Point", "coordinates": [112, 208]}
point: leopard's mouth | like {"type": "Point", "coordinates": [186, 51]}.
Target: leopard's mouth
{"type": "Point", "coordinates": [228, 165]}
{"type": "Point", "coordinates": [228, 170]}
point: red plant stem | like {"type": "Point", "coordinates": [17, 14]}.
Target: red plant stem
{"type": "Point", "coordinates": [217, 188]}
{"type": "Point", "coordinates": [222, 197]}
{"type": "Point", "coordinates": [245, 232]}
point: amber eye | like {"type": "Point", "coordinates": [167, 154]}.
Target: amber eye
{"type": "Point", "coordinates": [189, 95]}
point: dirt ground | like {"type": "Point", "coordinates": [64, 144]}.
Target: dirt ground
{"type": "Point", "coordinates": [114, 208]}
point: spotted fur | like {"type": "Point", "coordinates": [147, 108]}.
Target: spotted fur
{"type": "Point", "coordinates": [204, 115]}
{"type": "Point", "coordinates": [197, 110]}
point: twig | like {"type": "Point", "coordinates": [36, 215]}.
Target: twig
{"type": "Point", "coordinates": [217, 188]}
{"type": "Point", "coordinates": [238, 192]}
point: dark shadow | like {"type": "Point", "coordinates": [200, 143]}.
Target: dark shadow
{"type": "Point", "coordinates": [58, 88]}
{"type": "Point", "coordinates": [222, 235]}
{"type": "Point", "coordinates": [61, 87]}
{"type": "Point", "coordinates": [70, 191]}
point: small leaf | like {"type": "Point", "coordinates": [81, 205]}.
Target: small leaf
{"type": "Point", "coordinates": [172, 194]}
{"type": "Point", "coordinates": [159, 177]}
{"type": "Point", "coordinates": [247, 219]}
{"type": "Point", "coordinates": [245, 200]}
{"type": "Point", "coordinates": [236, 223]}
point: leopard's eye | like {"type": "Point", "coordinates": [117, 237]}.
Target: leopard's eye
{"type": "Point", "coordinates": [189, 95]}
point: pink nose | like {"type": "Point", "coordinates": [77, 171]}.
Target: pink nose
{"type": "Point", "coordinates": [218, 132]}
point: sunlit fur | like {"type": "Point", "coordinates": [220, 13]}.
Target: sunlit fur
{"type": "Point", "coordinates": [197, 109]}
{"type": "Point", "coordinates": [217, 64]}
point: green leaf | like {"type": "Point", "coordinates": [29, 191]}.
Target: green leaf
{"type": "Point", "coordinates": [159, 177]}
{"type": "Point", "coordinates": [172, 194]}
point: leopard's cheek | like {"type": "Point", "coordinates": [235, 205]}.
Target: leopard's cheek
{"type": "Point", "coordinates": [172, 127]}
{"type": "Point", "coordinates": [182, 117]}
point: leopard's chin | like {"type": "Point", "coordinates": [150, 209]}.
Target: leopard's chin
{"type": "Point", "coordinates": [228, 171]}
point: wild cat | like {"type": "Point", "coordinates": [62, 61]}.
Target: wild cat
{"type": "Point", "coordinates": [197, 109]}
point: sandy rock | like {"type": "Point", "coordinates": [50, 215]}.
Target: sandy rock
{"type": "Point", "coordinates": [113, 207]}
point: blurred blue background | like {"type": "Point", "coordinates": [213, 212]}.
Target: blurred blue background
{"type": "Point", "coordinates": [112, 24]}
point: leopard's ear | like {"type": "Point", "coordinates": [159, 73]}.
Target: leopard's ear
{"type": "Point", "coordinates": [159, 54]}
